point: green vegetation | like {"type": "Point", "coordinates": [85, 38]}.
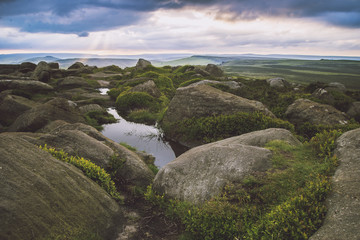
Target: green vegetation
{"type": "Point", "coordinates": [286, 202]}
{"type": "Point", "coordinates": [91, 170]}
{"type": "Point", "coordinates": [214, 128]}
{"type": "Point", "coordinates": [98, 118]}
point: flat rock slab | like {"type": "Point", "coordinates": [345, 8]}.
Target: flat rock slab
{"type": "Point", "coordinates": [342, 220]}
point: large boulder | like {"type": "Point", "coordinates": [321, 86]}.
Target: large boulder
{"type": "Point", "coordinates": [37, 117]}
{"type": "Point", "coordinates": [354, 111]}
{"type": "Point", "coordinates": [148, 87]}
{"type": "Point", "coordinates": [73, 82]}
{"type": "Point", "coordinates": [343, 217]}
{"type": "Point", "coordinates": [203, 100]}
{"type": "Point", "coordinates": [43, 198]}
{"type": "Point", "coordinates": [42, 72]}
{"type": "Point", "coordinates": [77, 65]}
{"type": "Point", "coordinates": [9, 68]}
{"type": "Point", "coordinates": [230, 84]}
{"type": "Point", "coordinates": [214, 70]}
{"type": "Point", "coordinates": [91, 108]}
{"type": "Point", "coordinates": [201, 173]}
{"type": "Point", "coordinates": [30, 86]}
{"type": "Point", "coordinates": [304, 110]}
{"type": "Point", "coordinates": [85, 141]}
{"type": "Point", "coordinates": [12, 106]}
{"type": "Point", "coordinates": [26, 67]}
{"type": "Point", "coordinates": [142, 64]}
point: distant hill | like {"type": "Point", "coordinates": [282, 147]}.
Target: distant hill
{"type": "Point", "coordinates": [36, 60]}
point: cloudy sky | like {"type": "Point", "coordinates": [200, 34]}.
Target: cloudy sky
{"type": "Point", "coordinates": [318, 27]}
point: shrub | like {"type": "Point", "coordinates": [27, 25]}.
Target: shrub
{"type": "Point", "coordinates": [98, 118]}
{"type": "Point", "coordinates": [214, 128]}
{"type": "Point", "coordinates": [134, 100]}
{"type": "Point", "coordinates": [91, 170]}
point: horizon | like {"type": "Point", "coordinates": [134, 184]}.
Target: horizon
{"type": "Point", "coordinates": [107, 27]}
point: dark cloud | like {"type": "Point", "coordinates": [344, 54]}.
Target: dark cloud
{"type": "Point", "coordinates": [83, 16]}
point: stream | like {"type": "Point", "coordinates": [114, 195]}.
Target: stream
{"type": "Point", "coordinates": [143, 137]}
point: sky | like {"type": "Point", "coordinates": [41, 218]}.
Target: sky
{"type": "Point", "coordinates": [314, 27]}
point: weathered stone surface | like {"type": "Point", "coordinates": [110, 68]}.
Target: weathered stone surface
{"type": "Point", "coordinates": [12, 106]}
{"type": "Point", "coordinates": [26, 85]}
{"type": "Point", "coordinates": [90, 108]}
{"type": "Point", "coordinates": [9, 68]}
{"type": "Point", "coordinates": [262, 137]}
{"type": "Point", "coordinates": [278, 83]}
{"type": "Point", "coordinates": [148, 87]}
{"type": "Point", "coordinates": [42, 198]}
{"type": "Point", "coordinates": [342, 220]}
{"type": "Point", "coordinates": [202, 172]}
{"type": "Point", "coordinates": [26, 67]}
{"type": "Point", "coordinates": [54, 65]}
{"type": "Point", "coordinates": [73, 82]}
{"type": "Point", "coordinates": [87, 142]}
{"type": "Point", "coordinates": [354, 111]}
{"type": "Point", "coordinates": [142, 64]}
{"type": "Point", "coordinates": [203, 100]}
{"type": "Point", "coordinates": [324, 95]}
{"type": "Point", "coordinates": [336, 86]}
{"type": "Point", "coordinates": [214, 70]}
{"type": "Point", "coordinates": [42, 72]}
{"type": "Point", "coordinates": [39, 116]}
{"type": "Point", "coordinates": [77, 65]}
{"type": "Point", "coordinates": [304, 110]}
{"type": "Point", "coordinates": [230, 84]}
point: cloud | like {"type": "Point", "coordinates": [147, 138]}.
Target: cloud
{"type": "Point", "coordinates": [83, 16]}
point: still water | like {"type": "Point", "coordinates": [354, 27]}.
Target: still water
{"type": "Point", "coordinates": [143, 138]}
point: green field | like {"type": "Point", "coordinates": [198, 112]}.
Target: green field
{"type": "Point", "coordinates": [299, 71]}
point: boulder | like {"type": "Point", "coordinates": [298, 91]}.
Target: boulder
{"type": "Point", "coordinates": [148, 87]}
{"type": "Point", "coordinates": [12, 106]}
{"type": "Point", "coordinates": [354, 111]}
{"type": "Point", "coordinates": [262, 137]}
{"type": "Point", "coordinates": [91, 108]}
{"type": "Point", "coordinates": [26, 67]}
{"type": "Point", "coordinates": [43, 198]}
{"type": "Point", "coordinates": [278, 83]}
{"type": "Point", "coordinates": [9, 68]}
{"type": "Point", "coordinates": [42, 72]}
{"type": "Point", "coordinates": [230, 84]}
{"type": "Point", "coordinates": [26, 85]}
{"type": "Point", "coordinates": [323, 95]}
{"type": "Point", "coordinates": [73, 82]}
{"type": "Point", "coordinates": [304, 110]}
{"type": "Point", "coordinates": [214, 70]}
{"type": "Point", "coordinates": [142, 64]}
{"type": "Point", "coordinates": [77, 65]}
{"type": "Point", "coordinates": [54, 65]}
{"type": "Point", "coordinates": [343, 215]}
{"type": "Point", "coordinates": [202, 172]}
{"type": "Point", "coordinates": [336, 86]}
{"type": "Point", "coordinates": [85, 141]}
{"type": "Point", "coordinates": [39, 116]}
{"type": "Point", "coordinates": [203, 100]}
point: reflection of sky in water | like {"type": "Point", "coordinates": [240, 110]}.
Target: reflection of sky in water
{"type": "Point", "coordinates": [103, 91]}
{"type": "Point", "coordinates": [142, 137]}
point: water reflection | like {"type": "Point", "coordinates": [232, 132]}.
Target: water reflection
{"type": "Point", "coordinates": [142, 137]}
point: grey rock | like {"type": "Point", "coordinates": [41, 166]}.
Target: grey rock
{"type": "Point", "coordinates": [278, 83]}
{"type": "Point", "coordinates": [9, 68]}
{"type": "Point", "coordinates": [26, 67]}
{"type": "Point", "coordinates": [142, 64]}
{"type": "Point", "coordinates": [342, 220]}
{"type": "Point", "coordinates": [148, 87]}
{"type": "Point", "coordinates": [336, 86]}
{"type": "Point", "coordinates": [202, 172]}
{"type": "Point", "coordinates": [12, 106]}
{"type": "Point", "coordinates": [42, 72]}
{"type": "Point", "coordinates": [304, 110]}
{"type": "Point", "coordinates": [26, 85]}
{"type": "Point", "coordinates": [230, 84]}
{"type": "Point", "coordinates": [39, 116]}
{"type": "Point", "coordinates": [91, 108]}
{"type": "Point", "coordinates": [354, 111]}
{"type": "Point", "coordinates": [324, 95]}
{"type": "Point", "coordinates": [54, 65]}
{"type": "Point", "coordinates": [46, 196]}
{"type": "Point", "coordinates": [73, 82]}
{"type": "Point", "coordinates": [203, 100]}
{"type": "Point", "coordinates": [214, 70]}
{"type": "Point", "coordinates": [77, 65]}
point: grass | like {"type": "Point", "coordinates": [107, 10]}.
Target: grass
{"type": "Point", "coordinates": [299, 71]}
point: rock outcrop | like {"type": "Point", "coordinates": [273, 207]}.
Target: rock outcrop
{"type": "Point", "coordinates": [304, 110]}
{"type": "Point", "coordinates": [148, 87]}
{"type": "Point", "coordinates": [230, 84]}
{"type": "Point", "coordinates": [203, 100]}
{"type": "Point", "coordinates": [39, 116]}
{"type": "Point", "coordinates": [73, 82]}
{"type": "Point", "coordinates": [43, 198]}
{"type": "Point", "coordinates": [42, 72]}
{"type": "Point", "coordinates": [354, 111]}
{"type": "Point", "coordinates": [142, 64]}
{"type": "Point", "coordinates": [214, 70]}
{"type": "Point", "coordinates": [25, 85]}
{"type": "Point", "coordinates": [202, 172]}
{"type": "Point", "coordinates": [343, 217]}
